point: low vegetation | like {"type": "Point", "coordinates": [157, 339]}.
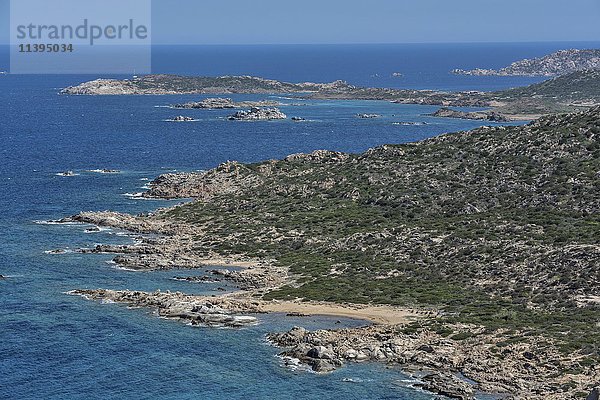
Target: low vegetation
{"type": "Point", "coordinates": [497, 227]}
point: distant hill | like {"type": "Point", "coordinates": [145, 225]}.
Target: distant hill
{"type": "Point", "coordinates": [558, 63]}
{"type": "Point", "coordinates": [174, 84]}
{"type": "Point", "coordinates": [576, 86]}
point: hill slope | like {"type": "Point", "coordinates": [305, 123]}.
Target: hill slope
{"type": "Point", "coordinates": [577, 86]}
{"type": "Point", "coordinates": [510, 212]}
{"type": "Point", "coordinates": [493, 233]}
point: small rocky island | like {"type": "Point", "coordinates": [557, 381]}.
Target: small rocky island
{"type": "Point", "coordinates": [488, 115]}
{"type": "Point", "coordinates": [104, 171]}
{"type": "Point", "coordinates": [219, 103]}
{"type": "Point", "coordinates": [558, 63]}
{"type": "Point", "coordinates": [67, 173]}
{"type": "Point", "coordinates": [258, 114]}
{"type": "Point", "coordinates": [175, 84]}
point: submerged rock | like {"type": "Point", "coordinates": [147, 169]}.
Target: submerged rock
{"type": "Point", "coordinates": [367, 116]}
{"type": "Point", "coordinates": [56, 251]}
{"type": "Point", "coordinates": [104, 171]}
{"type": "Point", "coordinates": [181, 118]}
{"type": "Point", "coordinates": [67, 173]}
{"type": "Point", "coordinates": [197, 279]}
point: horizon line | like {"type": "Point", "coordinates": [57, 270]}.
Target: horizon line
{"type": "Point", "coordinates": [367, 43]}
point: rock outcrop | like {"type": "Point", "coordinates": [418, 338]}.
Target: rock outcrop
{"type": "Point", "coordinates": [258, 114]}
{"type": "Point", "coordinates": [448, 385]}
{"type": "Point", "coordinates": [225, 103]}
{"type": "Point", "coordinates": [211, 103]}
{"type": "Point", "coordinates": [489, 115]}
{"type": "Point", "coordinates": [195, 310]}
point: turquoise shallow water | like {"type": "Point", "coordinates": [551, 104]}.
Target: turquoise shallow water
{"type": "Point", "coordinates": [55, 346]}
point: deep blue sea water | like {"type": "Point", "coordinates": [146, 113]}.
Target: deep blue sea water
{"type": "Point", "coordinates": [55, 346]}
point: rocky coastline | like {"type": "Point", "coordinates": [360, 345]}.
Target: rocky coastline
{"type": "Point", "coordinates": [441, 362]}
{"type": "Point", "coordinates": [494, 344]}
{"type": "Point", "coordinates": [195, 310]}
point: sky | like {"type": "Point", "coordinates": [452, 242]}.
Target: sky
{"type": "Point", "coordinates": [373, 21]}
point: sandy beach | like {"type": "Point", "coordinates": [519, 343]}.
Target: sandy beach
{"type": "Point", "coordinates": [376, 314]}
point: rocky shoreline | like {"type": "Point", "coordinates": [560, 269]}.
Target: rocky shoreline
{"type": "Point", "coordinates": [440, 362]}
{"type": "Point", "coordinates": [255, 278]}
{"type": "Point", "coordinates": [195, 310]}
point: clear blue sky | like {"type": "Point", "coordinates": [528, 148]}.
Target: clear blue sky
{"type": "Point", "coordinates": [374, 21]}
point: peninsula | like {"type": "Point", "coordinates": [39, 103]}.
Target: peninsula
{"type": "Point", "coordinates": [481, 246]}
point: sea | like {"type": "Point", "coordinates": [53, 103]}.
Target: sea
{"type": "Point", "coordinates": [57, 346]}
